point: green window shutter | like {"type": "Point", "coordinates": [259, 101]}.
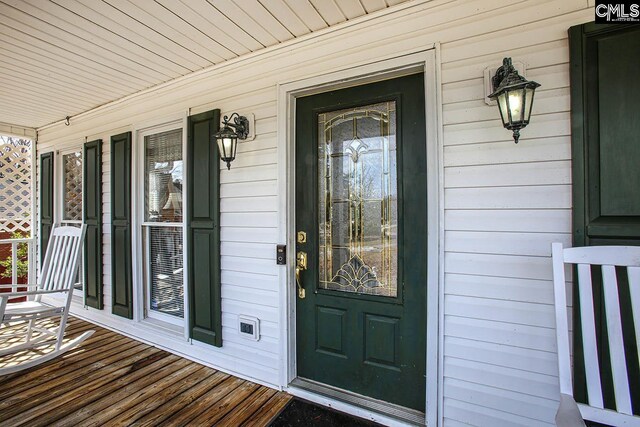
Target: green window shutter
{"type": "Point", "coordinates": [46, 201]}
{"type": "Point", "coordinates": [203, 238]}
{"type": "Point", "coordinates": [121, 273]}
{"type": "Point", "coordinates": [92, 217]}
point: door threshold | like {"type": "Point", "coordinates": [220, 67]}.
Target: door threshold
{"type": "Point", "coordinates": [381, 407]}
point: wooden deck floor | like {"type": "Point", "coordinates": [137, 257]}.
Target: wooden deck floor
{"type": "Point", "coordinates": [114, 380]}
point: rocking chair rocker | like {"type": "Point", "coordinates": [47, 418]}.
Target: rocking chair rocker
{"type": "Point", "coordinates": [58, 273]}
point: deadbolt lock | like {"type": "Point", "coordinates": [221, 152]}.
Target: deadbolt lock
{"type": "Point", "coordinates": [302, 237]}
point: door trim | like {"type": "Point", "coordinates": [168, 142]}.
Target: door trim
{"type": "Point", "coordinates": [424, 61]}
{"type": "Point", "coordinates": [377, 406]}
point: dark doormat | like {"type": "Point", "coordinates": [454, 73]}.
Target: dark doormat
{"type": "Point", "coordinates": [303, 413]}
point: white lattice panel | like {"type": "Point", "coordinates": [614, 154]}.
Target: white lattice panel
{"type": "Point", "coordinates": [15, 185]}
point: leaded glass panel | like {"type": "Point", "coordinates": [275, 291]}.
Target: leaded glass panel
{"type": "Point", "coordinates": [357, 181]}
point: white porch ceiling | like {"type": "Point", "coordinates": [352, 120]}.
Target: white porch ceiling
{"type": "Point", "coordinates": [63, 57]}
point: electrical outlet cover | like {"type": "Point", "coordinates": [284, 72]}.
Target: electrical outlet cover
{"type": "Point", "coordinates": [249, 327]}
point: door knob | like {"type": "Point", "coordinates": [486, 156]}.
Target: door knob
{"type": "Point", "coordinates": [301, 264]}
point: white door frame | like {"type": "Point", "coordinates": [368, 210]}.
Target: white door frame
{"type": "Point", "coordinates": [425, 61]}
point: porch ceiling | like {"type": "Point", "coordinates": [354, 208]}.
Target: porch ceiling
{"type": "Point", "coordinates": [64, 57]}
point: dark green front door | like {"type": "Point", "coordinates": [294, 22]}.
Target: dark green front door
{"type": "Point", "coordinates": [361, 200]}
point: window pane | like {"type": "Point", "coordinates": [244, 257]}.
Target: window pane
{"type": "Point", "coordinates": [166, 290]}
{"type": "Point", "coordinates": [358, 200]}
{"type": "Point", "coordinates": [163, 176]}
{"type": "Point", "coordinates": [72, 197]}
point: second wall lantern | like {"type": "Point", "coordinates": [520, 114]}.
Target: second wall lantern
{"type": "Point", "coordinates": [514, 94]}
{"type": "Point", "coordinates": [227, 137]}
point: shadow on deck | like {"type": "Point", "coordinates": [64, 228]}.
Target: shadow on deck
{"type": "Point", "coordinates": [114, 380]}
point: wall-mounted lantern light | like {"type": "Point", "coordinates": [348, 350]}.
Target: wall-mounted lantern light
{"type": "Point", "coordinates": [514, 94]}
{"type": "Point", "coordinates": [227, 137]}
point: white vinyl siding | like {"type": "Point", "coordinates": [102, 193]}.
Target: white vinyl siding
{"type": "Point", "coordinates": [503, 203]}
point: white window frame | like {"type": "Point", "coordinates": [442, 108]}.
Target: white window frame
{"type": "Point", "coordinates": [59, 202]}
{"type": "Point", "coordinates": [142, 311]}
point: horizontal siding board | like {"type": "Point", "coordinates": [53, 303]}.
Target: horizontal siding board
{"type": "Point", "coordinates": [249, 280]}
{"type": "Point", "coordinates": [516, 197]}
{"type": "Point", "coordinates": [250, 295]}
{"type": "Point", "coordinates": [248, 235]}
{"type": "Point", "coordinates": [501, 288]}
{"type": "Point", "coordinates": [248, 250]}
{"type": "Point", "coordinates": [550, 77]}
{"type": "Point", "coordinates": [542, 136]}
{"type": "Point", "coordinates": [523, 336]}
{"type": "Point", "coordinates": [513, 220]}
{"type": "Point", "coordinates": [545, 102]}
{"type": "Point", "coordinates": [491, 242]}
{"type": "Point", "coordinates": [482, 416]}
{"type": "Point", "coordinates": [492, 175]}
{"type": "Point", "coordinates": [534, 55]}
{"type": "Point", "coordinates": [479, 416]}
{"type": "Point", "coordinates": [516, 380]}
{"type": "Point", "coordinates": [501, 400]}
{"type": "Point", "coordinates": [263, 312]}
{"type": "Point", "coordinates": [512, 312]}
{"type": "Point", "coordinates": [250, 219]}
{"type": "Point", "coordinates": [248, 189]}
{"type": "Point", "coordinates": [249, 204]}
{"type": "Point", "coordinates": [258, 266]}
{"type": "Point", "coordinates": [536, 361]}
{"type": "Point", "coordinates": [266, 347]}
{"type": "Point", "coordinates": [515, 266]}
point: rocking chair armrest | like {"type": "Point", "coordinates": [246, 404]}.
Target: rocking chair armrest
{"type": "Point", "coordinates": [10, 295]}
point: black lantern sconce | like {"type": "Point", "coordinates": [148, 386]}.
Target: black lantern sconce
{"type": "Point", "coordinates": [514, 94]}
{"type": "Point", "coordinates": [227, 137]}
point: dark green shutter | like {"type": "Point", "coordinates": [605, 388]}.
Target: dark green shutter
{"type": "Point", "coordinates": [121, 274]}
{"type": "Point", "coordinates": [46, 201]}
{"type": "Point", "coordinates": [605, 138]}
{"type": "Point", "coordinates": [92, 217]}
{"type": "Point", "coordinates": [203, 239]}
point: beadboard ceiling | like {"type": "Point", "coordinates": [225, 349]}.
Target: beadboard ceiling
{"type": "Point", "coordinates": [63, 57]}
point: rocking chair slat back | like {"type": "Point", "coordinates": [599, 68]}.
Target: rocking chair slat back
{"type": "Point", "coordinates": [62, 257]}
{"type": "Point", "coordinates": [609, 259]}
{"type": "Point", "coordinates": [591, 363]}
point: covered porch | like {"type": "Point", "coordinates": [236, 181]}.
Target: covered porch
{"type": "Point", "coordinates": [114, 380]}
{"type": "Point", "coordinates": [217, 258]}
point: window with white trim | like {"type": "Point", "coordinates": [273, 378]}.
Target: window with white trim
{"type": "Point", "coordinates": [162, 226]}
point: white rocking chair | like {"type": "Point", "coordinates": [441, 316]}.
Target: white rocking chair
{"type": "Point", "coordinates": [569, 413]}
{"type": "Point", "coordinates": [58, 273]}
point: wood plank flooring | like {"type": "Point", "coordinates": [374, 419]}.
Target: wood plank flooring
{"type": "Point", "coordinates": [114, 380]}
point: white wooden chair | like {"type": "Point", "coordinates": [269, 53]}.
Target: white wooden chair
{"type": "Point", "coordinates": [58, 273]}
{"type": "Point", "coordinates": [570, 413]}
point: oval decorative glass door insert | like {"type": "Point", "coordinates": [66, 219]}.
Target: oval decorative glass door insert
{"type": "Point", "coordinates": [358, 200]}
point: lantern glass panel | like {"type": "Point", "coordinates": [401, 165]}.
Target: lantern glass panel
{"type": "Point", "coordinates": [516, 104]}
{"type": "Point", "coordinates": [528, 103]}
{"type": "Point", "coordinates": [225, 146]}
{"type": "Point", "coordinates": [502, 104]}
